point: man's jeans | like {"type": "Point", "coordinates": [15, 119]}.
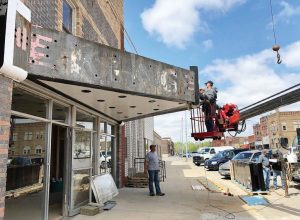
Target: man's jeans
{"type": "Point", "coordinates": [266, 172]}
{"type": "Point", "coordinates": [277, 173]}
{"type": "Point", "coordinates": [154, 177]}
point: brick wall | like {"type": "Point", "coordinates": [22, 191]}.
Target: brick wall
{"type": "Point", "coordinates": [5, 100]}
{"type": "Point", "coordinates": [95, 20]}
{"type": "Point", "coordinates": [43, 12]}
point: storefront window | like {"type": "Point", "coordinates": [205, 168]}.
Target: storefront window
{"type": "Point", "coordinates": [60, 113]}
{"type": "Point", "coordinates": [81, 186]}
{"type": "Point", "coordinates": [84, 120]}
{"type": "Point", "coordinates": [82, 147]}
{"type": "Point", "coordinates": [25, 170]}
{"type": "Point", "coordinates": [28, 103]}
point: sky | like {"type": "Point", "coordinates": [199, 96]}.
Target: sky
{"type": "Point", "coordinates": [229, 40]}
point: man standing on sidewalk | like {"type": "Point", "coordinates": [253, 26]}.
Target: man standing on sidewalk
{"type": "Point", "coordinates": [277, 169]}
{"type": "Point", "coordinates": [263, 158]}
{"type": "Point", "coordinates": [152, 165]}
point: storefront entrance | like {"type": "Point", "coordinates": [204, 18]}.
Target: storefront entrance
{"type": "Point", "coordinates": [59, 144]}
{"type": "Point", "coordinates": [53, 151]}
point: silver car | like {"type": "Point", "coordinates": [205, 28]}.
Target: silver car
{"type": "Point", "coordinates": [247, 156]}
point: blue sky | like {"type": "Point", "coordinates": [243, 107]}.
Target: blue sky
{"type": "Point", "coordinates": [229, 40]}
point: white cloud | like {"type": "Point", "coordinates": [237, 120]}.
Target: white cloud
{"type": "Point", "coordinates": [288, 11]}
{"type": "Point", "coordinates": [175, 22]}
{"type": "Point", "coordinates": [173, 125]}
{"type": "Point", "coordinates": [208, 44]}
{"type": "Point", "coordinates": [243, 81]}
{"type": "Point", "coordinates": [253, 77]}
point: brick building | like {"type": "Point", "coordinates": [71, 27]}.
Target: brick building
{"type": "Point", "coordinates": [283, 125]}
{"type": "Point", "coordinates": [165, 146]}
{"type": "Point", "coordinates": [276, 128]}
{"type": "Point", "coordinates": [66, 87]}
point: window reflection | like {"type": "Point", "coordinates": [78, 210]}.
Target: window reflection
{"type": "Point", "coordinates": [28, 103]}
{"type": "Point", "coordinates": [25, 169]}
{"type": "Point", "coordinates": [84, 120]}
{"type": "Point", "coordinates": [81, 187]}
{"type": "Point", "coordinates": [82, 147]}
{"type": "Point", "coordinates": [60, 113]}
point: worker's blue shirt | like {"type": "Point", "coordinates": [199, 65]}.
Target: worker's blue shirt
{"type": "Point", "coordinates": [152, 160]}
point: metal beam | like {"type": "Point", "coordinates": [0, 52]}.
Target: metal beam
{"type": "Point", "coordinates": [280, 99]}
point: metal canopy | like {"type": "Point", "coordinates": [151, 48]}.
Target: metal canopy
{"type": "Point", "coordinates": [70, 64]}
{"type": "Point", "coordinates": [118, 106]}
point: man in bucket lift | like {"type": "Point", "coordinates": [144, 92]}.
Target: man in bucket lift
{"type": "Point", "coordinates": [208, 98]}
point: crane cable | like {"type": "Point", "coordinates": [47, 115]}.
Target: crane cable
{"type": "Point", "coordinates": [276, 46]}
{"type": "Point", "coordinates": [118, 17]}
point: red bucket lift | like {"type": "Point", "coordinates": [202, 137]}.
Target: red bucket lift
{"type": "Point", "coordinates": [223, 119]}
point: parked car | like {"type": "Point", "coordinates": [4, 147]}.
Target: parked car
{"type": "Point", "coordinates": [105, 163]}
{"type": "Point", "coordinates": [207, 153]}
{"type": "Point", "coordinates": [220, 158]}
{"type": "Point", "coordinates": [246, 156]}
{"type": "Point", "coordinates": [21, 161]}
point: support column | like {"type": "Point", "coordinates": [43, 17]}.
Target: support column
{"type": "Point", "coordinates": [6, 86]}
{"type": "Point", "coordinates": [122, 154]}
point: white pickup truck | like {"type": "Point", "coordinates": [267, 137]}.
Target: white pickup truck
{"type": "Point", "coordinates": [293, 160]}
{"type": "Point", "coordinates": [208, 152]}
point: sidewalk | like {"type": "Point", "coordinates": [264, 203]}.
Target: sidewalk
{"type": "Point", "coordinates": [180, 202]}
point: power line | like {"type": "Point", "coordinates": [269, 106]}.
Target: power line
{"type": "Point", "coordinates": [118, 17]}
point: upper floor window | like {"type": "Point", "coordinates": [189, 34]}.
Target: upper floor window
{"type": "Point", "coordinates": [28, 136]}
{"type": "Point", "coordinates": [68, 16]}
{"type": "Point", "coordinates": [296, 124]}
{"type": "Point", "coordinates": [39, 135]}
{"type": "Point", "coordinates": [15, 136]}
{"type": "Point", "coordinates": [27, 150]}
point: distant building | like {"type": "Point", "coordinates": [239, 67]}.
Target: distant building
{"type": "Point", "coordinates": [164, 145]}
{"type": "Point", "coordinates": [282, 127]}
{"type": "Point", "coordinates": [167, 146]}
{"type": "Point", "coordinates": [231, 141]}
{"type": "Point", "coordinates": [276, 129]}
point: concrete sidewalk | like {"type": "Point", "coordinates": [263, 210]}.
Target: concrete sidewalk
{"type": "Point", "coordinates": [180, 202]}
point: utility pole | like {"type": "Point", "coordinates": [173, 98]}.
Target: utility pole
{"type": "Point", "coordinates": [186, 138]}
{"type": "Point", "coordinates": [181, 137]}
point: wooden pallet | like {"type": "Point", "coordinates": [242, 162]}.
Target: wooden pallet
{"type": "Point", "coordinates": [139, 180]}
{"type": "Point", "coordinates": [137, 185]}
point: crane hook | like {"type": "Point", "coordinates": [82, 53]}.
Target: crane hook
{"type": "Point", "coordinates": [276, 48]}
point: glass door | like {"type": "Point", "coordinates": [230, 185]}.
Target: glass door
{"type": "Point", "coordinates": [81, 165]}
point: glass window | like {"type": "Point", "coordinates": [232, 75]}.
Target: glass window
{"type": "Point", "coordinates": [81, 185]}
{"type": "Point", "coordinates": [25, 170]}
{"type": "Point", "coordinates": [82, 144]}
{"type": "Point", "coordinates": [284, 128]}
{"type": "Point", "coordinates": [28, 103]}
{"type": "Point", "coordinates": [27, 150]}
{"type": "Point", "coordinates": [15, 136]}
{"type": "Point", "coordinates": [67, 16]}
{"type": "Point", "coordinates": [60, 113]}
{"type": "Point", "coordinates": [102, 127]}
{"type": "Point", "coordinates": [84, 120]}
{"type": "Point", "coordinates": [28, 136]}
{"type": "Point", "coordinates": [243, 156]}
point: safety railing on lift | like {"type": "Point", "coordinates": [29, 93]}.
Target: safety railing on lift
{"type": "Point", "coordinates": [198, 120]}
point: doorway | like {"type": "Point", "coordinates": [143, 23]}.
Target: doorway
{"type": "Point", "coordinates": [57, 171]}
